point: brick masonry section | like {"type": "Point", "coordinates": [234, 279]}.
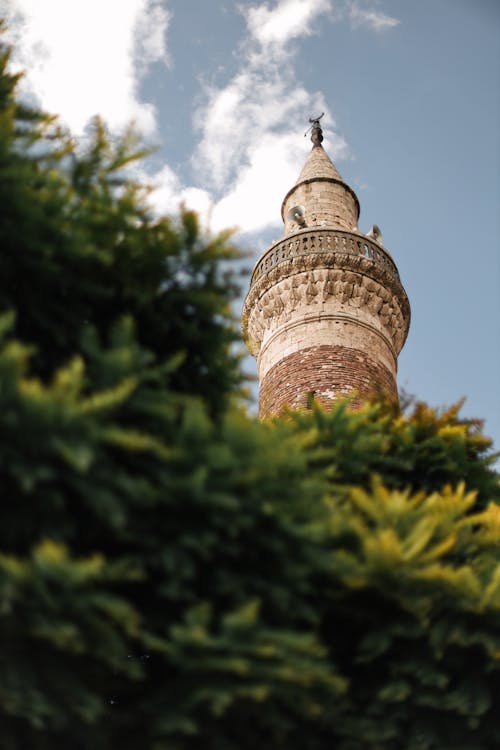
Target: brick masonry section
{"type": "Point", "coordinates": [329, 372]}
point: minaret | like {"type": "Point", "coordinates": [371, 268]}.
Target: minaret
{"type": "Point", "coordinates": [326, 314]}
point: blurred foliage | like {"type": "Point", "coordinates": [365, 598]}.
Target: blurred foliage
{"type": "Point", "coordinates": [176, 575]}
{"type": "Point", "coordinates": [80, 249]}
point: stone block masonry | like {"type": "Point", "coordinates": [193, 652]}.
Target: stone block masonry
{"type": "Point", "coordinates": [328, 201]}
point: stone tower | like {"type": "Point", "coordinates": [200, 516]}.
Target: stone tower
{"type": "Point", "coordinates": [326, 313]}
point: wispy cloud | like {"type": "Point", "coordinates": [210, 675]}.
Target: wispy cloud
{"type": "Point", "coordinates": [253, 200]}
{"type": "Point", "coordinates": [288, 20]}
{"type": "Point", "coordinates": [235, 119]}
{"type": "Point", "coordinates": [169, 193]}
{"type": "Point", "coordinates": [91, 57]}
{"type": "Point", "coordinates": [248, 150]}
{"type": "Point", "coordinates": [82, 58]}
{"type": "Point", "coordinates": [370, 18]}
{"type": "Point", "coordinates": [150, 35]}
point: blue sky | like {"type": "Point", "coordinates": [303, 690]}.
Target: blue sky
{"type": "Point", "coordinates": [411, 92]}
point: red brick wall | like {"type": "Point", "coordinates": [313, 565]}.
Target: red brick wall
{"type": "Point", "coordinates": [327, 371]}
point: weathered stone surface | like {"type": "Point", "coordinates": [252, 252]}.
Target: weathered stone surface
{"type": "Point", "coordinates": [328, 289]}
{"type": "Point", "coordinates": [327, 199]}
{"type": "Point", "coordinates": [333, 204]}
{"type": "Point", "coordinates": [326, 311]}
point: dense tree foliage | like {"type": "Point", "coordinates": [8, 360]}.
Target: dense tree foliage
{"type": "Point", "coordinates": [80, 250]}
{"type": "Point", "coordinates": [176, 575]}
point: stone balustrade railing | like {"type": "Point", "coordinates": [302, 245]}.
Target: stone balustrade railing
{"type": "Point", "coordinates": [325, 240]}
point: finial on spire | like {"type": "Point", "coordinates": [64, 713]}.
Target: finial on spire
{"type": "Point", "coordinates": [316, 131]}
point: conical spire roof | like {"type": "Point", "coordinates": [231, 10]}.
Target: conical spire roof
{"type": "Point", "coordinates": [320, 196]}
{"type": "Point", "coordinates": [318, 164]}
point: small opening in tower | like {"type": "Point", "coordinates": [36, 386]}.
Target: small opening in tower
{"type": "Point", "coordinates": [310, 396]}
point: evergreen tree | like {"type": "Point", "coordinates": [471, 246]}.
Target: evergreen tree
{"type": "Point", "coordinates": [80, 250]}
{"type": "Point", "coordinates": [174, 574]}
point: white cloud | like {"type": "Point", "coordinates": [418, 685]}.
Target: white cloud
{"type": "Point", "coordinates": [373, 20]}
{"type": "Point", "coordinates": [168, 194]}
{"type": "Point", "coordinates": [288, 20]}
{"type": "Point", "coordinates": [238, 117]}
{"type": "Point", "coordinates": [253, 202]}
{"type": "Point", "coordinates": [150, 35]}
{"type": "Point", "coordinates": [250, 150]}
{"type": "Point", "coordinates": [87, 57]}
{"type": "Point", "coordinates": [80, 57]}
